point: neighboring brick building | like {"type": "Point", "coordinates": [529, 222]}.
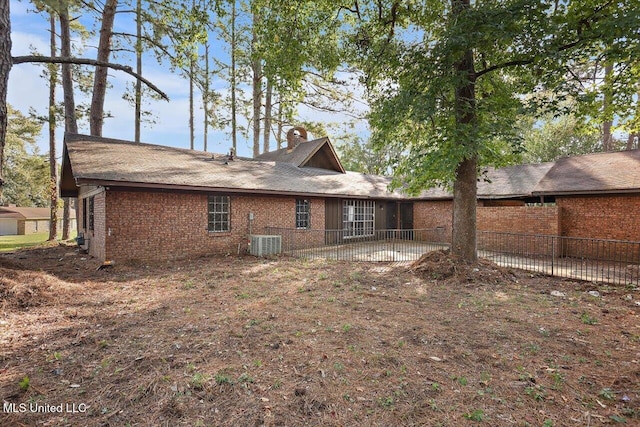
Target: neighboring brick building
{"type": "Point", "coordinates": [150, 202]}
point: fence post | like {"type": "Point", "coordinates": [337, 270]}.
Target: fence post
{"type": "Point", "coordinates": [553, 253]}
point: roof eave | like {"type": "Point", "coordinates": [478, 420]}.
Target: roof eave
{"type": "Point", "coordinates": [235, 190]}
{"type": "Point", "coordinates": [503, 196]}
{"type": "Point", "coordinates": [586, 192]}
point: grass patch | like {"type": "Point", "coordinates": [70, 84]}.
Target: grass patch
{"type": "Point", "coordinates": [13, 243]}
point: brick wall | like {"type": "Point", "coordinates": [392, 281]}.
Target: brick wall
{"type": "Point", "coordinates": [168, 225]}
{"type": "Point", "coordinates": [604, 217]}
{"type": "Point", "coordinates": [519, 219]}
{"type": "Point", "coordinates": [533, 220]}
{"type": "Point", "coordinates": [171, 225]}
{"type": "Point", "coordinates": [432, 215]}
{"type": "Point", "coordinates": [512, 219]}
{"type": "Point", "coordinates": [31, 226]}
{"type": "Point", "coordinates": [601, 217]}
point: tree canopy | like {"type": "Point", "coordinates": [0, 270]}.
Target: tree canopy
{"type": "Point", "coordinates": [26, 171]}
{"type": "Point", "coordinates": [448, 80]}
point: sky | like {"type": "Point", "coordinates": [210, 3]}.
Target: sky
{"type": "Point", "coordinates": [28, 90]}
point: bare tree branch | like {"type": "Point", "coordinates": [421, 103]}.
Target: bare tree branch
{"type": "Point", "coordinates": [85, 61]}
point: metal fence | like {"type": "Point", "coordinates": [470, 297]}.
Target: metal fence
{"type": "Point", "coordinates": [378, 245]}
{"type": "Point", "coordinates": [612, 261]}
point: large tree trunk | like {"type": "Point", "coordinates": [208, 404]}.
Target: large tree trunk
{"type": "Point", "coordinates": [463, 243]}
{"type": "Point", "coordinates": [191, 112]}
{"type": "Point", "coordinates": [206, 96]}
{"type": "Point", "coordinates": [53, 170]}
{"type": "Point", "coordinates": [138, 90]}
{"type": "Point", "coordinates": [607, 137]}
{"type": "Point", "coordinates": [267, 117]}
{"type": "Point", "coordinates": [234, 47]}
{"type": "Point", "coordinates": [256, 68]}
{"type": "Point", "coordinates": [280, 127]}
{"type": "Point", "coordinates": [96, 117]}
{"type": "Point", "coordinates": [70, 124]}
{"type": "Point", "coordinates": [5, 68]}
{"type": "Point", "coordinates": [65, 219]}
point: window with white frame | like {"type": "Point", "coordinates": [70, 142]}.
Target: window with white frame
{"type": "Point", "coordinates": [358, 218]}
{"type": "Point", "coordinates": [303, 213]}
{"type": "Point", "coordinates": [219, 214]}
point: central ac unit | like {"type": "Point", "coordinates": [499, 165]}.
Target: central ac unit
{"type": "Point", "coordinates": [265, 245]}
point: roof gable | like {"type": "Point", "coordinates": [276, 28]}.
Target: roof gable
{"type": "Point", "coordinates": [67, 184]}
{"type": "Point", "coordinates": [318, 153]}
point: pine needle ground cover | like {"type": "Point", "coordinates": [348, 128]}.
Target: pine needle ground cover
{"type": "Point", "coordinates": [247, 342]}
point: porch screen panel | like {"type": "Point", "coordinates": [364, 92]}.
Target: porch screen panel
{"type": "Point", "coordinates": [358, 218]}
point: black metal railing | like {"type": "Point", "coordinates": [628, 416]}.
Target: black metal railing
{"type": "Point", "coordinates": [598, 260]}
{"type": "Point", "coordinates": [612, 261]}
{"type": "Point", "coordinates": [378, 245]}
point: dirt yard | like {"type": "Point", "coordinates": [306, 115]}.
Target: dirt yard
{"type": "Point", "coordinates": [283, 342]}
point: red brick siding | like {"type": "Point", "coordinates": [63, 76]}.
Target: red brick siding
{"type": "Point", "coordinates": [601, 217]}
{"type": "Point", "coordinates": [604, 217]}
{"type": "Point", "coordinates": [432, 215]}
{"type": "Point", "coordinates": [519, 219]}
{"type": "Point", "coordinates": [168, 225]}
{"type": "Point", "coordinates": [514, 219]}
{"type": "Point", "coordinates": [293, 238]}
{"type": "Point", "coordinates": [539, 220]}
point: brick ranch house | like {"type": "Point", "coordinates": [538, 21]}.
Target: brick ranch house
{"type": "Point", "coordinates": [150, 202]}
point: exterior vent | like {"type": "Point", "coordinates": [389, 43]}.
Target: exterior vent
{"type": "Point", "coordinates": [265, 245]}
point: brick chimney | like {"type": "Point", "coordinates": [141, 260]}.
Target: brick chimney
{"type": "Point", "coordinates": [295, 136]}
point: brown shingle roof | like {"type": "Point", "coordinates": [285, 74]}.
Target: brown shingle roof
{"type": "Point", "coordinates": [511, 181]}
{"type": "Point", "coordinates": [27, 213]}
{"type": "Point", "coordinates": [302, 153]}
{"type": "Point", "coordinates": [103, 161]}
{"type": "Point", "coordinates": [613, 172]}
{"type": "Point", "coordinates": [296, 156]}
